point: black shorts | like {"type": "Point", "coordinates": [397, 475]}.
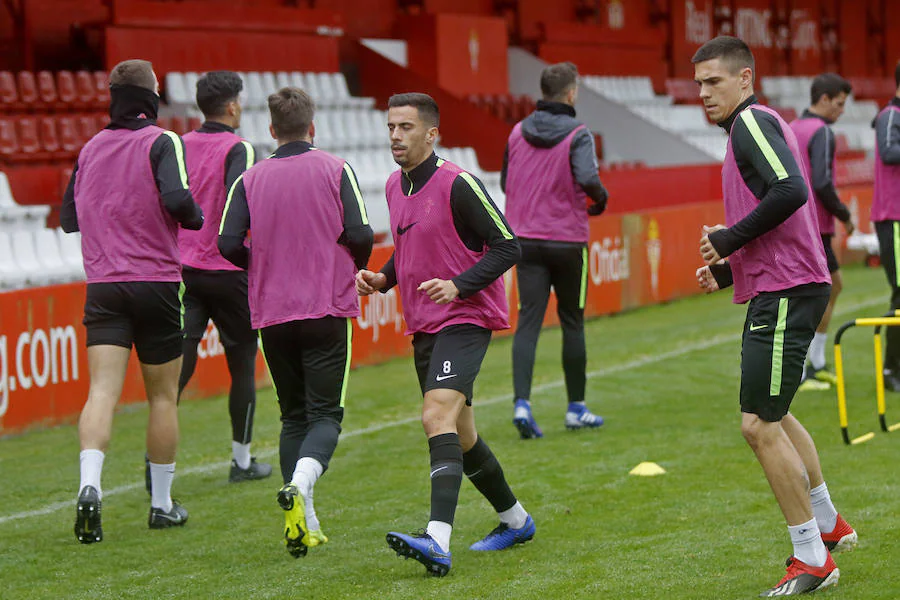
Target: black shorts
{"type": "Point", "coordinates": [830, 258]}
{"type": "Point", "coordinates": [147, 314]}
{"type": "Point", "coordinates": [777, 333]}
{"type": "Point", "coordinates": [451, 358]}
{"type": "Point", "coordinates": [222, 297]}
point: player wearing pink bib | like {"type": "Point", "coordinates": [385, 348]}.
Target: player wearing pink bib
{"type": "Point", "coordinates": [776, 263]}
{"type": "Point", "coordinates": [451, 248]}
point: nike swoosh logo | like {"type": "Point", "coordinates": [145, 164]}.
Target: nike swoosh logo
{"type": "Point", "coordinates": [438, 469]}
{"type": "Point", "coordinates": [169, 517]}
{"type": "Point", "coordinates": [757, 327]}
{"type": "Point", "coordinates": [443, 377]}
{"type": "Point", "coordinates": [402, 230]}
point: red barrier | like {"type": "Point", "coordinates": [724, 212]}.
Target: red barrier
{"type": "Point", "coordinates": [635, 260]}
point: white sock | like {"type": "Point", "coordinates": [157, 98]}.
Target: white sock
{"type": "Point", "coordinates": [514, 517]}
{"type": "Point", "coordinates": [823, 509]}
{"type": "Point", "coordinates": [161, 477]}
{"type": "Point", "coordinates": [808, 545]}
{"type": "Point", "coordinates": [312, 521]}
{"type": "Point", "coordinates": [91, 468]}
{"type": "Point", "coordinates": [817, 351]}
{"type": "Point", "coordinates": [306, 473]}
{"type": "Point", "coordinates": [440, 532]}
{"type": "Point", "coordinates": [241, 454]}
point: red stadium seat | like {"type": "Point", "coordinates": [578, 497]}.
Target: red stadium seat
{"type": "Point", "coordinates": [48, 135]}
{"type": "Point", "coordinates": [194, 123]}
{"type": "Point", "coordinates": [682, 90]}
{"type": "Point", "coordinates": [84, 88]}
{"type": "Point", "coordinates": [86, 127]}
{"type": "Point", "coordinates": [29, 139]}
{"type": "Point", "coordinates": [179, 125]}
{"type": "Point", "coordinates": [47, 89]}
{"type": "Point", "coordinates": [9, 97]}
{"type": "Point", "coordinates": [9, 141]}
{"type": "Point", "coordinates": [69, 139]}
{"type": "Point", "coordinates": [28, 92]}
{"type": "Point", "coordinates": [101, 88]}
{"type": "Point", "coordinates": [65, 88]}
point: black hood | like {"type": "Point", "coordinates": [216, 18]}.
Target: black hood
{"type": "Point", "coordinates": [549, 124]}
{"type": "Point", "coordinates": [132, 107]}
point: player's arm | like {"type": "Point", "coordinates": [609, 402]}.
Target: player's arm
{"type": "Point", "coordinates": [368, 282]}
{"type": "Point", "coordinates": [762, 154]}
{"type": "Point", "coordinates": [240, 158]}
{"type": "Point", "coordinates": [821, 157]}
{"type": "Point", "coordinates": [68, 216]}
{"type": "Point", "coordinates": [583, 161]}
{"type": "Point", "coordinates": [480, 223]}
{"type": "Point", "coordinates": [887, 136]}
{"type": "Point", "coordinates": [235, 225]}
{"type": "Point", "coordinates": [170, 173]}
{"type": "Point", "coordinates": [357, 235]}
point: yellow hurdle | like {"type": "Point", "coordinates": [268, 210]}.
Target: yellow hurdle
{"type": "Point", "coordinates": [889, 320]}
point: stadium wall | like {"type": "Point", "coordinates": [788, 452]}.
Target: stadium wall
{"type": "Point", "coordinates": [636, 259]}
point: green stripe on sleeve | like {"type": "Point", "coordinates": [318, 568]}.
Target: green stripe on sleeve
{"type": "Point", "coordinates": [359, 198]}
{"type": "Point", "coordinates": [251, 153]}
{"type": "Point", "coordinates": [179, 157]}
{"type": "Point", "coordinates": [763, 143]}
{"type": "Point", "coordinates": [487, 205]}
{"type": "Point", "coordinates": [778, 348]}
{"type": "Point", "coordinates": [228, 203]}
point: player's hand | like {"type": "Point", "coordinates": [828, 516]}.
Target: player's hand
{"type": "Point", "coordinates": [369, 282]}
{"type": "Point", "coordinates": [440, 291]}
{"type": "Point", "coordinates": [706, 280]}
{"type": "Point", "coordinates": [707, 251]}
{"type": "Point", "coordinates": [850, 226]}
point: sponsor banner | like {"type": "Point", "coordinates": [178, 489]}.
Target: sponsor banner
{"type": "Point", "coordinates": [633, 260]}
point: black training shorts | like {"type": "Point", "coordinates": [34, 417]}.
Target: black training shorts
{"type": "Point", "coordinates": [222, 297]}
{"type": "Point", "coordinates": [451, 358]}
{"type": "Point", "coordinates": [777, 333]}
{"type": "Point", "coordinates": [146, 314]}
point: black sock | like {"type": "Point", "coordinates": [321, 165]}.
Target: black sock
{"type": "Point", "coordinates": [484, 471]}
{"type": "Point", "coordinates": [446, 476]}
{"type": "Point", "coordinates": [188, 364]}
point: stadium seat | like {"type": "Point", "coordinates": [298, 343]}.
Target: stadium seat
{"type": "Point", "coordinates": [28, 215]}
{"type": "Point", "coordinates": [194, 123]}
{"type": "Point", "coordinates": [70, 248]}
{"type": "Point", "coordinates": [256, 96]}
{"type": "Point", "coordinates": [46, 88]}
{"type": "Point", "coordinates": [25, 254]}
{"type": "Point", "coordinates": [86, 127]}
{"type": "Point", "coordinates": [69, 140]}
{"type": "Point", "coordinates": [283, 79]}
{"type": "Point", "coordinates": [29, 138]}
{"type": "Point", "coordinates": [9, 141]}
{"type": "Point", "coordinates": [28, 92]}
{"type": "Point", "coordinates": [49, 137]}
{"type": "Point", "coordinates": [11, 274]}
{"type": "Point", "coordinates": [269, 84]}
{"type": "Point", "coordinates": [101, 88]}
{"type": "Point", "coordinates": [176, 92]}
{"type": "Point", "coordinates": [65, 88]}
{"type": "Point", "coordinates": [50, 257]}
{"type": "Point", "coordinates": [179, 125]}
{"type": "Point", "coordinates": [9, 96]}
{"type": "Point", "coordinates": [86, 96]}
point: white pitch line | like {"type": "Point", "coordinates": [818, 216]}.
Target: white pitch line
{"type": "Point", "coordinates": [627, 366]}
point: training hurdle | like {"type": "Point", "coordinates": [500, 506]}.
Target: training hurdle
{"type": "Point", "coordinates": [889, 320]}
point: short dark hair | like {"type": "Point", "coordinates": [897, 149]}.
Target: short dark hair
{"type": "Point", "coordinates": [733, 51]}
{"type": "Point", "coordinates": [830, 85]}
{"type": "Point", "coordinates": [897, 74]}
{"type": "Point", "coordinates": [134, 72]}
{"type": "Point", "coordinates": [291, 110]}
{"type": "Point", "coordinates": [216, 89]}
{"type": "Point", "coordinates": [425, 104]}
{"type": "Point", "coordinates": [557, 79]}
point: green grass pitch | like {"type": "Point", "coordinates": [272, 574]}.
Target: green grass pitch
{"type": "Point", "coordinates": [666, 380]}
